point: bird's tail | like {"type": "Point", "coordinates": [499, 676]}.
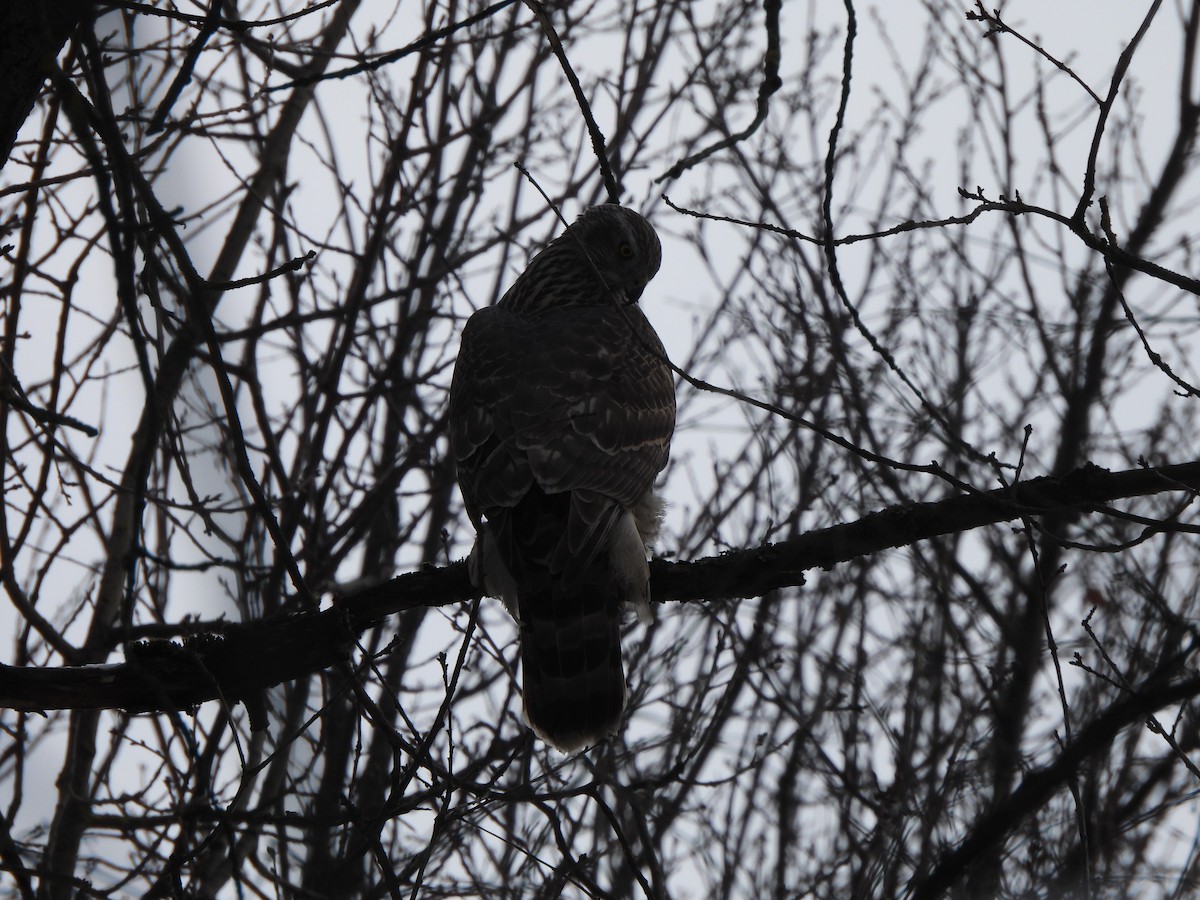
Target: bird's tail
{"type": "Point", "coordinates": [573, 678]}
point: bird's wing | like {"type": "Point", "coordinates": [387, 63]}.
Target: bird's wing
{"type": "Point", "coordinates": [572, 400]}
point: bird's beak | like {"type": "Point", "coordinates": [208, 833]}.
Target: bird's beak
{"type": "Point", "coordinates": [633, 295]}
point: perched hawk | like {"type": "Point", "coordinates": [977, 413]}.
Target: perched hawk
{"type": "Point", "coordinates": [561, 414]}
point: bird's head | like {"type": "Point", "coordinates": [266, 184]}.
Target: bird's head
{"type": "Point", "coordinates": [608, 254]}
{"type": "Point", "coordinates": [622, 248]}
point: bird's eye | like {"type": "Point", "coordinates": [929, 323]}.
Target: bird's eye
{"type": "Point", "coordinates": [625, 250]}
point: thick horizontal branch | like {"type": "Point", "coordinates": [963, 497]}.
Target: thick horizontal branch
{"type": "Point", "coordinates": [236, 661]}
{"type": "Point", "coordinates": [753, 572]}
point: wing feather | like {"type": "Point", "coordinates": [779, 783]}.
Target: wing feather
{"type": "Point", "coordinates": [578, 399]}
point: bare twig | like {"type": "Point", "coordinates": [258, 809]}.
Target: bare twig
{"type": "Point", "coordinates": [771, 82]}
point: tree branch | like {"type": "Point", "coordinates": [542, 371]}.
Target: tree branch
{"type": "Point", "coordinates": [991, 830]}
{"type": "Point", "coordinates": [236, 660]}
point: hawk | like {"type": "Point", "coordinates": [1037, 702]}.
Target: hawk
{"type": "Point", "coordinates": [562, 408]}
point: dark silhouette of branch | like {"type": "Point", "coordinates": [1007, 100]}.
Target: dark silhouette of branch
{"type": "Point", "coordinates": [31, 33]}
{"type": "Point", "coordinates": [1126, 57]}
{"type": "Point", "coordinates": [423, 42]}
{"type": "Point", "coordinates": [996, 25]}
{"type": "Point", "coordinates": [234, 661]}
{"type": "Point", "coordinates": [1014, 205]}
{"type": "Point", "coordinates": [771, 82]}
{"type": "Point", "coordinates": [991, 830]}
{"type": "Point", "coordinates": [599, 146]}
